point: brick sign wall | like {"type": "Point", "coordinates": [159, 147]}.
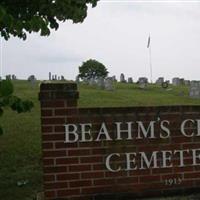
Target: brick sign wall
{"type": "Point", "coordinates": [116, 153]}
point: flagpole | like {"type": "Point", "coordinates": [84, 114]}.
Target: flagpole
{"type": "Point", "coordinates": [150, 63]}
{"type": "Point", "coordinates": [1, 59]}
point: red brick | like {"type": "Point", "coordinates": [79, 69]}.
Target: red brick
{"type": "Point", "coordinates": [79, 152]}
{"type": "Point", "coordinates": [45, 113]}
{"type": "Point", "coordinates": [80, 183]}
{"type": "Point", "coordinates": [56, 185]}
{"type": "Point", "coordinates": [127, 180]}
{"type": "Point", "coordinates": [93, 159]}
{"type": "Point", "coordinates": [56, 154]}
{"type": "Point", "coordinates": [68, 192]}
{"type": "Point", "coordinates": [50, 194]}
{"type": "Point", "coordinates": [66, 112]}
{"type": "Point", "coordinates": [55, 137]}
{"type": "Point", "coordinates": [183, 169]}
{"type": "Point", "coordinates": [140, 172]}
{"type": "Point", "coordinates": [62, 145]}
{"type": "Point", "coordinates": [162, 171]}
{"type": "Point", "coordinates": [99, 167]}
{"type": "Point", "coordinates": [47, 162]}
{"type": "Point", "coordinates": [67, 161]}
{"type": "Point", "coordinates": [47, 145]}
{"type": "Point", "coordinates": [99, 151]}
{"type": "Point", "coordinates": [49, 178]}
{"type": "Point", "coordinates": [79, 168]}
{"type": "Point", "coordinates": [97, 190]}
{"type": "Point", "coordinates": [53, 121]}
{"type": "Point", "coordinates": [67, 176]}
{"type": "Point", "coordinates": [180, 139]}
{"type": "Point", "coordinates": [104, 182]}
{"type": "Point", "coordinates": [115, 174]}
{"type": "Point", "coordinates": [54, 104]}
{"type": "Point", "coordinates": [59, 129]}
{"type": "Point", "coordinates": [47, 129]}
{"type": "Point", "coordinates": [192, 175]}
{"type": "Point", "coordinates": [55, 169]}
{"type": "Point", "coordinates": [149, 179]}
{"type": "Point", "coordinates": [92, 175]}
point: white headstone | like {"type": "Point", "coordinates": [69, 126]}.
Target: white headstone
{"type": "Point", "coordinates": [176, 81]}
{"type": "Point", "coordinates": [122, 78]}
{"type": "Point", "coordinates": [194, 89]}
{"type": "Point", "coordinates": [130, 80]}
{"type": "Point", "coordinates": [109, 84]}
{"type": "Point", "coordinates": [100, 82]}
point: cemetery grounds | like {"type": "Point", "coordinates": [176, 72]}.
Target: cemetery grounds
{"type": "Point", "coordinates": [20, 145]}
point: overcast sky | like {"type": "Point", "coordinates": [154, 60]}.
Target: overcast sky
{"type": "Point", "coordinates": [115, 33]}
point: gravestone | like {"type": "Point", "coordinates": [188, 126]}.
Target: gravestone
{"type": "Point", "coordinates": [182, 81]}
{"type": "Point", "coordinates": [160, 80]}
{"type": "Point", "coordinates": [8, 77]}
{"type": "Point", "coordinates": [114, 79]}
{"type": "Point", "coordinates": [32, 80]}
{"type": "Point", "coordinates": [187, 82]}
{"type": "Point", "coordinates": [122, 78]}
{"type": "Point", "coordinates": [62, 78]}
{"type": "Point", "coordinates": [13, 77]}
{"type": "Point", "coordinates": [50, 76]}
{"type": "Point", "coordinates": [194, 91]}
{"type": "Point", "coordinates": [92, 82]}
{"type": "Point", "coordinates": [130, 80]}
{"type": "Point", "coordinates": [109, 84]}
{"type": "Point", "coordinates": [100, 82]}
{"type": "Point", "coordinates": [176, 81]}
{"type": "Point", "coordinates": [142, 81]}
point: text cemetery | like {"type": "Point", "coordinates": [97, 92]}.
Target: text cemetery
{"type": "Point", "coordinates": [137, 131]}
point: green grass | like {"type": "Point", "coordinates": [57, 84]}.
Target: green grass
{"type": "Point", "coordinates": [20, 146]}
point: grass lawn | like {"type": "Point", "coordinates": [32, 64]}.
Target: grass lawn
{"type": "Point", "coordinates": [20, 151]}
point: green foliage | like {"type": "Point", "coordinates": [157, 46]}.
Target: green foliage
{"type": "Point", "coordinates": [7, 99]}
{"type": "Point", "coordinates": [92, 69]}
{"type": "Point", "coordinates": [17, 17]}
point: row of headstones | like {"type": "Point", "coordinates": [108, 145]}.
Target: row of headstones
{"type": "Point", "coordinates": [107, 83]}
{"type": "Point", "coordinates": [102, 83]}
{"type": "Point", "coordinates": [55, 77]}
{"type": "Point", "coordinates": [11, 77]}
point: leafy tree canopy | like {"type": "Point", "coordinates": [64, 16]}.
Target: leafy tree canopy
{"type": "Point", "coordinates": [17, 17]}
{"type": "Point", "coordinates": [92, 69]}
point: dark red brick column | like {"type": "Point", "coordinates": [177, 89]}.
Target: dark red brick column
{"type": "Point", "coordinates": [58, 101]}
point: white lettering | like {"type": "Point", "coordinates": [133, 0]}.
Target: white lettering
{"type": "Point", "coordinates": [144, 131]}
{"type": "Point", "coordinates": [108, 158]}
{"type": "Point", "coordinates": [73, 133]}
{"type": "Point", "coordinates": [103, 132]}
{"type": "Point", "coordinates": [128, 131]}
{"type": "Point", "coordinates": [183, 127]}
{"type": "Point", "coordinates": [165, 129]}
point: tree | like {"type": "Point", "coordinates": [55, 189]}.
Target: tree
{"type": "Point", "coordinates": [17, 17]}
{"type": "Point", "coordinates": [92, 69]}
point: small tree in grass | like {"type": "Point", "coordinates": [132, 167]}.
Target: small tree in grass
{"type": "Point", "coordinates": [92, 69]}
